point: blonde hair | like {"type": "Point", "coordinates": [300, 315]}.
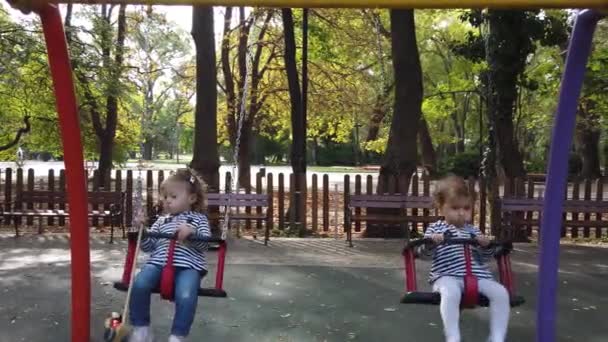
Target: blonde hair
{"type": "Point", "coordinates": [196, 186]}
{"type": "Point", "coordinates": [450, 188]}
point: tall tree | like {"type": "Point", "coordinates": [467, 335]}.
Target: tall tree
{"type": "Point", "coordinates": [298, 125]}
{"type": "Point", "coordinates": [593, 108]}
{"type": "Point", "coordinates": [508, 47]}
{"type": "Point", "coordinates": [402, 148]}
{"type": "Point", "coordinates": [205, 158]}
{"type": "Point", "coordinates": [510, 39]}
{"type": "Point", "coordinates": [160, 49]}
{"type": "Point", "coordinates": [263, 52]}
{"type": "Point", "coordinates": [107, 75]}
{"type": "Point", "coordinates": [298, 121]}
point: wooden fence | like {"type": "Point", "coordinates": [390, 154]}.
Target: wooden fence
{"type": "Point", "coordinates": [322, 202]}
{"type": "Point", "coordinates": [585, 190]}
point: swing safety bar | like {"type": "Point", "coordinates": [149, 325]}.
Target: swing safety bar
{"type": "Point", "coordinates": [172, 237]}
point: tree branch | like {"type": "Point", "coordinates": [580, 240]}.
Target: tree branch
{"type": "Point", "coordinates": [20, 132]}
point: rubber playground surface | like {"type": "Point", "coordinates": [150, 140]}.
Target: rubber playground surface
{"type": "Point", "coordinates": [292, 290]}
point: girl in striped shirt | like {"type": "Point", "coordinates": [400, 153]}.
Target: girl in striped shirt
{"type": "Point", "coordinates": [454, 200]}
{"type": "Point", "coordinates": [183, 200]}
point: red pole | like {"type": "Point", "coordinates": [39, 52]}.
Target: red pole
{"type": "Point", "coordinates": [130, 259]}
{"type": "Point", "coordinates": [221, 259]}
{"type": "Point", "coordinates": [63, 84]}
{"type": "Point", "coordinates": [410, 271]}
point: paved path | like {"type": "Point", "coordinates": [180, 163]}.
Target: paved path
{"type": "Point", "coordinates": [293, 290]}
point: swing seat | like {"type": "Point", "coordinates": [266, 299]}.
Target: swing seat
{"type": "Point", "coordinates": [471, 296]}
{"type": "Point", "coordinates": [217, 291]}
{"type": "Point", "coordinates": [202, 292]}
{"type": "Point", "coordinates": [434, 298]}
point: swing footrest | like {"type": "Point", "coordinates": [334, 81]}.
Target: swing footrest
{"type": "Point", "coordinates": [202, 292]}
{"type": "Point", "coordinates": [434, 298]}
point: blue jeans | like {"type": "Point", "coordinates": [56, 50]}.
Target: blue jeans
{"type": "Point", "coordinates": [187, 282]}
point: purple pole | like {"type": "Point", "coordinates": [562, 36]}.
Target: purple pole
{"type": "Point", "coordinates": [572, 82]}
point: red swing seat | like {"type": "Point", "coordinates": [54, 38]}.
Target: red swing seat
{"type": "Point", "coordinates": [471, 297]}
{"type": "Point", "coordinates": [166, 288]}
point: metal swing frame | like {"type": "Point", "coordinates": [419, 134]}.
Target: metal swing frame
{"type": "Point", "coordinates": [563, 130]}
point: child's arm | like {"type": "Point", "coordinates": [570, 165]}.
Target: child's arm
{"type": "Point", "coordinates": [202, 230]}
{"type": "Point", "coordinates": [485, 252]}
{"type": "Point", "coordinates": [148, 244]}
{"type": "Point", "coordinates": [436, 231]}
{"type": "Point", "coordinates": [431, 229]}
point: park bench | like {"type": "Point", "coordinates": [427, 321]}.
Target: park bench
{"type": "Point", "coordinates": [243, 207]}
{"type": "Point", "coordinates": [519, 216]}
{"type": "Point", "coordinates": [400, 214]}
{"type": "Point", "coordinates": [107, 205]}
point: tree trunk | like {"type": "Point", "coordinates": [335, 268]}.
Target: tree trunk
{"type": "Point", "coordinates": [401, 155]}
{"type": "Point", "coordinates": [205, 158]}
{"type": "Point", "coordinates": [588, 140]}
{"type": "Point", "coordinates": [147, 150]}
{"type": "Point", "coordinates": [429, 157]}
{"type": "Point", "coordinates": [254, 105]}
{"type": "Point", "coordinates": [378, 113]}
{"type": "Point", "coordinates": [298, 146]}
{"type": "Point", "coordinates": [504, 73]}
{"type": "Point", "coordinates": [106, 137]}
{"type": "Point", "coordinates": [228, 79]}
{"type": "Point", "coordinates": [298, 121]}
{"type": "Point", "coordinates": [244, 155]}
{"type": "Point", "coordinates": [401, 150]}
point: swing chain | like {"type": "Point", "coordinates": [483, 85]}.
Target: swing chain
{"type": "Point", "coordinates": [376, 18]}
{"type": "Point", "coordinates": [138, 214]}
{"type": "Point", "coordinates": [234, 180]}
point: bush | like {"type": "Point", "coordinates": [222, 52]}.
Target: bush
{"type": "Point", "coordinates": [335, 154]}
{"type": "Point", "coordinates": [464, 164]}
{"type": "Point", "coordinates": [535, 166]}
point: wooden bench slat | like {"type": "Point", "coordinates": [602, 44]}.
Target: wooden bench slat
{"type": "Point", "coordinates": [369, 204]}
{"type": "Point", "coordinates": [391, 218]}
{"type": "Point", "coordinates": [389, 198]}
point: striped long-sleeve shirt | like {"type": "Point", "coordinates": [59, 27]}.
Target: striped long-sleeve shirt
{"type": "Point", "coordinates": [188, 254]}
{"type": "Point", "coordinates": [448, 260]}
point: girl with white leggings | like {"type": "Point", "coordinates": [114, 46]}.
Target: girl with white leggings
{"type": "Point", "coordinates": [455, 201]}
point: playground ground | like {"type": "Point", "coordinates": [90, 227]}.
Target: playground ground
{"type": "Point", "coordinates": [293, 290]}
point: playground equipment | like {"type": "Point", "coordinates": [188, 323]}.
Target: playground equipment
{"type": "Point", "coordinates": [578, 53]}
{"type": "Point", "coordinates": [471, 297]}
{"type": "Point", "coordinates": [166, 283]}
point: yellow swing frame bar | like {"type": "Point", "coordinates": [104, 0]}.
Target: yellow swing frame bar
{"type": "Point", "coordinates": [417, 4]}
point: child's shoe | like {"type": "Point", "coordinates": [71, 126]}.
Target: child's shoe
{"type": "Point", "coordinates": [141, 334]}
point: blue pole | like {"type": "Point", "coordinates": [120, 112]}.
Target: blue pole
{"type": "Point", "coordinates": [561, 140]}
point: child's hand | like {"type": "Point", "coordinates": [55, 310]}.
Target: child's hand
{"type": "Point", "coordinates": [482, 240]}
{"type": "Point", "coordinates": [184, 230]}
{"type": "Point", "coordinates": [437, 238]}
{"type": "Point", "coordinates": [139, 219]}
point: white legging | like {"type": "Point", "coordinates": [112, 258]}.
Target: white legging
{"type": "Point", "coordinates": [451, 293]}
